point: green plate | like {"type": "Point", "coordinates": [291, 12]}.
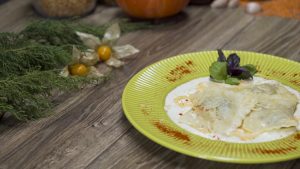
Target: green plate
{"type": "Point", "coordinates": [144, 96]}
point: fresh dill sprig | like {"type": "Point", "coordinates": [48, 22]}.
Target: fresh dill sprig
{"type": "Point", "coordinates": [30, 62]}
{"type": "Point", "coordinates": [17, 56]}
{"type": "Point", "coordinates": [28, 96]}
{"type": "Point", "coordinates": [57, 33]}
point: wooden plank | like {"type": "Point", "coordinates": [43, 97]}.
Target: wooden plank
{"type": "Point", "coordinates": [15, 14]}
{"type": "Point", "coordinates": [270, 35]}
{"type": "Point", "coordinates": [101, 15]}
{"type": "Point", "coordinates": [296, 165]}
{"type": "Point", "coordinates": [90, 130]}
{"type": "Point", "coordinates": [133, 150]}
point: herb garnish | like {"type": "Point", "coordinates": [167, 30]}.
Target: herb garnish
{"type": "Point", "coordinates": [228, 70]}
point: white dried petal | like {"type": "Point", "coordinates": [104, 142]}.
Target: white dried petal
{"type": "Point", "coordinates": [94, 72]}
{"type": "Point", "coordinates": [253, 8]}
{"type": "Point", "coordinates": [112, 33]}
{"type": "Point", "coordinates": [219, 3]}
{"type": "Point", "coordinates": [89, 58]}
{"type": "Point", "coordinates": [90, 50]}
{"type": "Point", "coordinates": [114, 62]}
{"type": "Point", "coordinates": [75, 55]}
{"type": "Point", "coordinates": [122, 52]}
{"type": "Point", "coordinates": [65, 72]}
{"type": "Point", "coordinates": [76, 52]}
{"type": "Point", "coordinates": [233, 3]}
{"type": "Point", "coordinates": [89, 40]}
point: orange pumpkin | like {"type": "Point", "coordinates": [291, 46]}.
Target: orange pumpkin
{"type": "Point", "coordinates": [152, 9]}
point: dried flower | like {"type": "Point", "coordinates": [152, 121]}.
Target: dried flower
{"type": "Point", "coordinates": [105, 49]}
{"type": "Point", "coordinates": [87, 60]}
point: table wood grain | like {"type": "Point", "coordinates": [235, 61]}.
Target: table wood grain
{"type": "Point", "coordinates": [88, 128]}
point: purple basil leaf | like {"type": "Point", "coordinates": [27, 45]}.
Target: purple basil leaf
{"type": "Point", "coordinates": [221, 57]}
{"type": "Point", "coordinates": [240, 73]}
{"type": "Point", "coordinates": [233, 61]}
{"type": "Point", "coordinates": [236, 71]}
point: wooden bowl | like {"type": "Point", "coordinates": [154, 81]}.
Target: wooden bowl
{"type": "Point", "coordinates": [152, 9]}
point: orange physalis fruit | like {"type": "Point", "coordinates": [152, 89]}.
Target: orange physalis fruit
{"type": "Point", "coordinates": [104, 52]}
{"type": "Point", "coordinates": [78, 69]}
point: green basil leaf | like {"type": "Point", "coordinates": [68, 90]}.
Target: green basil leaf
{"type": "Point", "coordinates": [251, 68]}
{"type": "Point", "coordinates": [245, 75]}
{"type": "Point", "coordinates": [232, 81]}
{"type": "Point", "coordinates": [215, 80]}
{"type": "Point", "coordinates": [218, 70]}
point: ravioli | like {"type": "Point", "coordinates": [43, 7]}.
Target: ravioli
{"type": "Point", "coordinates": [245, 111]}
{"type": "Point", "coordinates": [274, 109]}
{"type": "Point", "coordinates": [219, 109]}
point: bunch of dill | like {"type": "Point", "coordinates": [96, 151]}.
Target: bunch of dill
{"type": "Point", "coordinates": [30, 62]}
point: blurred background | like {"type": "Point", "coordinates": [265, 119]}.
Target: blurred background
{"type": "Point", "coordinates": [16, 13]}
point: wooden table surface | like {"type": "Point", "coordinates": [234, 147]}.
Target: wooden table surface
{"type": "Point", "coordinates": [89, 130]}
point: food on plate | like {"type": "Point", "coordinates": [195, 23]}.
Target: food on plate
{"type": "Point", "coordinates": [253, 109]}
{"type": "Point", "coordinates": [240, 110]}
{"type": "Point", "coordinates": [274, 109]}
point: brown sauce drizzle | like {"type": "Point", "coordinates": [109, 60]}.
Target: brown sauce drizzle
{"type": "Point", "coordinates": [295, 82]}
{"type": "Point", "coordinates": [171, 132]}
{"type": "Point", "coordinates": [179, 71]}
{"type": "Point", "coordinates": [276, 151]}
{"type": "Point", "coordinates": [297, 136]}
{"type": "Point", "coordinates": [145, 109]}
